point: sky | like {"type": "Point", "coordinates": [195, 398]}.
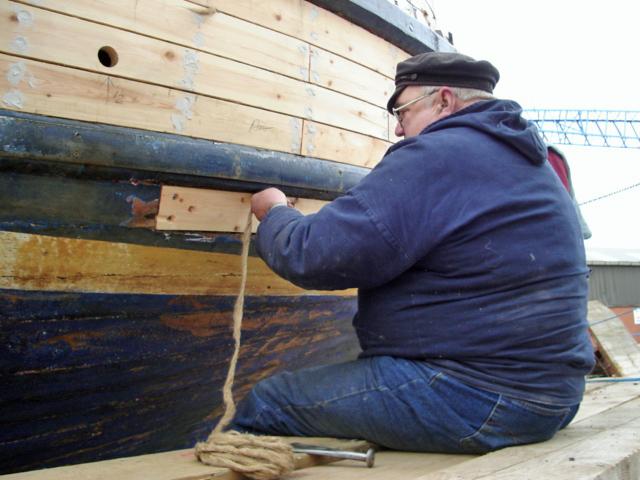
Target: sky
{"type": "Point", "coordinates": [566, 54]}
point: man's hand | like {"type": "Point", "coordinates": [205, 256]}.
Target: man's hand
{"type": "Point", "coordinates": [262, 201]}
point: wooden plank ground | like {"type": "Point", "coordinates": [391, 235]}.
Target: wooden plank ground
{"type": "Point", "coordinates": [602, 443]}
{"type": "Point", "coordinates": [619, 349]}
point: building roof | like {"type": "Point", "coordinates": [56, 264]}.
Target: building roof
{"type": "Point", "coordinates": [613, 256]}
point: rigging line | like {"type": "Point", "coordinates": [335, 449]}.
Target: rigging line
{"type": "Point", "coordinates": [624, 189]}
{"type": "Point", "coordinates": [614, 380]}
{"type": "Point", "coordinates": [611, 318]}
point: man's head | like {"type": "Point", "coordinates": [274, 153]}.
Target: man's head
{"type": "Point", "coordinates": [433, 85]}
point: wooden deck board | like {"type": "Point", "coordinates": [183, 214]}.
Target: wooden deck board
{"type": "Point", "coordinates": [615, 343]}
{"type": "Point", "coordinates": [603, 442]}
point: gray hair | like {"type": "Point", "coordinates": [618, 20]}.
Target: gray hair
{"type": "Point", "coordinates": [465, 94]}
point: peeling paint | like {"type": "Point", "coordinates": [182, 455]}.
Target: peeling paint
{"type": "Point", "coordinates": [20, 44]}
{"type": "Point", "coordinates": [315, 76]}
{"type": "Point", "coordinates": [308, 112]}
{"type": "Point", "coordinates": [184, 105]}
{"type": "Point", "coordinates": [296, 138]}
{"type": "Point", "coordinates": [198, 39]}
{"type": "Point", "coordinates": [310, 91]}
{"type": "Point", "coordinates": [302, 48]}
{"type": "Point", "coordinates": [25, 18]}
{"type": "Point", "coordinates": [16, 73]}
{"type": "Point", "coordinates": [313, 14]}
{"type": "Point", "coordinates": [311, 131]}
{"type": "Point", "coordinates": [178, 122]}
{"type": "Point", "coordinates": [33, 81]}
{"type": "Point", "coordinates": [13, 98]}
{"type": "Point", "coordinates": [190, 66]}
{"type": "Point", "coordinates": [142, 213]}
{"type": "Point", "coordinates": [314, 36]}
{"type": "Point", "coordinates": [303, 73]}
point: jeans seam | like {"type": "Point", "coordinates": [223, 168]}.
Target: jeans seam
{"type": "Point", "coordinates": [486, 421]}
{"type": "Point", "coordinates": [334, 399]}
{"type": "Point", "coordinates": [433, 379]}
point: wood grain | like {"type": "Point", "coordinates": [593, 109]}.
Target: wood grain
{"type": "Point", "coordinates": [73, 42]}
{"type": "Point", "coordinates": [38, 262]}
{"type": "Point", "coordinates": [615, 342]}
{"type": "Point", "coordinates": [199, 209]}
{"type": "Point", "coordinates": [194, 27]}
{"type": "Point", "coordinates": [318, 27]}
{"type": "Point", "coordinates": [90, 376]}
{"type": "Point", "coordinates": [321, 141]}
{"type": "Point", "coordinates": [43, 88]}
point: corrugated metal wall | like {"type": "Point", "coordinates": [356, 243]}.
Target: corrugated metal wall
{"type": "Point", "coordinates": [615, 285]}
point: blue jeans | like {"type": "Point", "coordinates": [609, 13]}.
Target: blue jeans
{"type": "Point", "coordinates": [396, 403]}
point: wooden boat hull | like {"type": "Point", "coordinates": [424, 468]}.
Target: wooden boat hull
{"type": "Point", "coordinates": [115, 332]}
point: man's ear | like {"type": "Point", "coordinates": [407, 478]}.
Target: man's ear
{"type": "Point", "coordinates": [447, 101]}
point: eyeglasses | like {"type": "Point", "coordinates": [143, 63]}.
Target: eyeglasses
{"type": "Point", "coordinates": [398, 111]}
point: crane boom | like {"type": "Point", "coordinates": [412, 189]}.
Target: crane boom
{"type": "Point", "coordinates": [593, 128]}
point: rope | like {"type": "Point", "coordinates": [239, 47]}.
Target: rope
{"type": "Point", "coordinates": [258, 457]}
{"type": "Point", "coordinates": [607, 195]}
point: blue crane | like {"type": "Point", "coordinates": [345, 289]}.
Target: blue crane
{"type": "Point", "coordinates": [593, 128]}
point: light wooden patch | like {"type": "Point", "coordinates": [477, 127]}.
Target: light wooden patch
{"type": "Point", "coordinates": [195, 27]}
{"type": "Point", "coordinates": [38, 262]}
{"type": "Point", "coordinates": [321, 141]}
{"type": "Point", "coordinates": [199, 209]}
{"type": "Point", "coordinates": [73, 42]}
{"type": "Point", "coordinates": [614, 340]}
{"type": "Point", "coordinates": [337, 73]}
{"type": "Point", "coordinates": [65, 92]}
{"type": "Point", "coordinates": [319, 27]}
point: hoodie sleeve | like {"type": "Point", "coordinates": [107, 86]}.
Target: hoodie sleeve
{"type": "Point", "coordinates": [341, 246]}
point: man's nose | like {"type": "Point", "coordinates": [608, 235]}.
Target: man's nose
{"type": "Point", "coordinates": [399, 130]}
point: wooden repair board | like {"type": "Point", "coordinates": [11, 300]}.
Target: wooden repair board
{"type": "Point", "coordinates": [198, 209]}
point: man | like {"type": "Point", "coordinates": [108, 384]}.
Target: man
{"type": "Point", "coordinates": [471, 273]}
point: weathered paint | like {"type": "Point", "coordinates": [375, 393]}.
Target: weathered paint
{"type": "Point", "coordinates": [39, 262]}
{"type": "Point", "coordinates": [95, 376]}
{"type": "Point", "coordinates": [128, 153]}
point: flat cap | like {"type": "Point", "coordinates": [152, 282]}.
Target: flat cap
{"type": "Point", "coordinates": [446, 69]}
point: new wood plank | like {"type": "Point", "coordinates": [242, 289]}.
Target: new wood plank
{"type": "Point", "coordinates": [37, 262]}
{"type": "Point", "coordinates": [337, 73]}
{"type": "Point", "coordinates": [329, 143]}
{"type": "Point", "coordinates": [619, 413]}
{"type": "Point", "coordinates": [389, 465]}
{"type": "Point", "coordinates": [176, 465]}
{"type": "Point", "coordinates": [199, 209]}
{"type": "Point", "coordinates": [611, 454]}
{"type": "Point", "coordinates": [46, 89]}
{"type": "Point", "coordinates": [319, 27]}
{"type": "Point", "coordinates": [195, 27]}
{"type": "Point", "coordinates": [73, 42]}
{"type": "Point", "coordinates": [606, 397]}
{"type": "Point", "coordinates": [614, 340]}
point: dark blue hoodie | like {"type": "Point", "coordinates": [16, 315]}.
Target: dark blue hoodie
{"type": "Point", "coordinates": [467, 254]}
